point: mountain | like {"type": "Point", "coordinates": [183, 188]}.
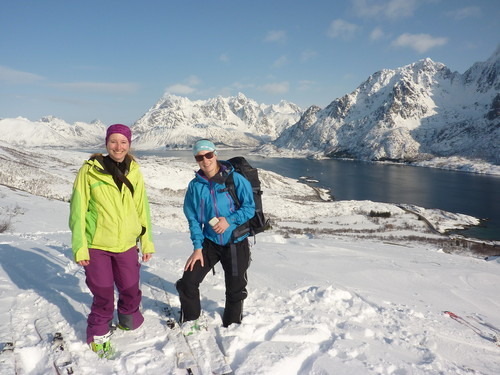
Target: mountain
{"type": "Point", "coordinates": [237, 121]}
{"type": "Point", "coordinates": [51, 131]}
{"type": "Point", "coordinates": [413, 113]}
{"type": "Point", "coordinates": [410, 113]}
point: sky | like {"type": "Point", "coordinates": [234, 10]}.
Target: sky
{"type": "Point", "coordinates": [113, 60]}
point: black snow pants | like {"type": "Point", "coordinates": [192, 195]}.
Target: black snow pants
{"type": "Point", "coordinates": [235, 260]}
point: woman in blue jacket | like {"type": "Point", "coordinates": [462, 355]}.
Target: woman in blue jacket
{"type": "Point", "coordinates": [212, 217]}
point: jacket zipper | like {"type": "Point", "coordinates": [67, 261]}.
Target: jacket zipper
{"type": "Point", "coordinates": [212, 193]}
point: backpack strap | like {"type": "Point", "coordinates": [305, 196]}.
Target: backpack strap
{"type": "Point", "coordinates": [231, 189]}
{"type": "Point", "coordinates": [244, 228]}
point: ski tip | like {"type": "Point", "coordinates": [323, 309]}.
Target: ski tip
{"type": "Point", "coordinates": [7, 346]}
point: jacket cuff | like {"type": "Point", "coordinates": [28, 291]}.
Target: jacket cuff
{"type": "Point", "coordinates": [82, 254]}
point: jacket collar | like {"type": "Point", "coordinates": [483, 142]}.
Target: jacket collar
{"type": "Point", "coordinates": [220, 178]}
{"type": "Point", "coordinates": [98, 162]}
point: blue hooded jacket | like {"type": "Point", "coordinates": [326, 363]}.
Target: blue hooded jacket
{"type": "Point", "coordinates": [206, 199]}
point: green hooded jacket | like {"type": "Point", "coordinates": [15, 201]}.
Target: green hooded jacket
{"type": "Point", "coordinates": [103, 217]}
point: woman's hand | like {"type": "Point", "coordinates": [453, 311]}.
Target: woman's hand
{"type": "Point", "coordinates": [84, 263]}
{"type": "Point", "coordinates": [221, 226]}
{"type": "Point", "coordinates": [146, 257]}
{"type": "Point", "coordinates": [196, 256]}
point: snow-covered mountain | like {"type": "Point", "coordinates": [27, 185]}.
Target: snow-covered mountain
{"type": "Point", "coordinates": [409, 113]}
{"type": "Point", "coordinates": [413, 113]}
{"type": "Point", "coordinates": [234, 121]}
{"type": "Point", "coordinates": [51, 131]}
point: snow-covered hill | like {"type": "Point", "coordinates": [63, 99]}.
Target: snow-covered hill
{"type": "Point", "coordinates": [332, 289]}
{"type": "Point", "coordinates": [419, 111]}
{"type": "Point", "coordinates": [51, 132]}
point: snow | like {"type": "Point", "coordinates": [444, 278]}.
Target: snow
{"type": "Point", "coordinates": [331, 289]}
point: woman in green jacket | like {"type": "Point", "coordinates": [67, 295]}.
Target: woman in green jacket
{"type": "Point", "coordinates": [109, 216]}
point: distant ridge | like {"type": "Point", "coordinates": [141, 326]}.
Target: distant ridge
{"type": "Point", "coordinates": [234, 121]}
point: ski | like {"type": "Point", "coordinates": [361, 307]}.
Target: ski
{"type": "Point", "coordinates": [61, 357]}
{"type": "Point", "coordinates": [480, 332]}
{"type": "Point", "coordinates": [202, 344]}
{"type": "Point", "coordinates": [185, 357]}
{"type": "Point", "coordinates": [8, 359]}
{"type": "Point", "coordinates": [485, 324]}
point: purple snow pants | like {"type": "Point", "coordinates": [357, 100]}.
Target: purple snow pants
{"type": "Point", "coordinates": [104, 271]}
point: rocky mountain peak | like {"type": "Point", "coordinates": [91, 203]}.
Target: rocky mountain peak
{"type": "Point", "coordinates": [408, 113]}
{"type": "Point", "coordinates": [234, 121]}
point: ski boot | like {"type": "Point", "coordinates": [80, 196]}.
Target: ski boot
{"type": "Point", "coordinates": [102, 346]}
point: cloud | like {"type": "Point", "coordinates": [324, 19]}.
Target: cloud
{"type": "Point", "coordinates": [102, 87]}
{"type": "Point", "coordinates": [376, 34]}
{"type": "Point", "coordinates": [306, 85]}
{"type": "Point", "coordinates": [241, 86]}
{"type": "Point", "coordinates": [462, 13]}
{"type": "Point", "coordinates": [342, 29]}
{"type": "Point", "coordinates": [224, 57]}
{"type": "Point", "coordinates": [13, 76]}
{"type": "Point", "coordinates": [283, 60]}
{"type": "Point", "coordinates": [233, 89]}
{"type": "Point", "coordinates": [307, 55]}
{"type": "Point", "coordinates": [193, 80]}
{"type": "Point", "coordinates": [392, 9]}
{"type": "Point", "coordinates": [275, 36]}
{"type": "Point", "coordinates": [400, 8]}
{"type": "Point", "coordinates": [180, 89]}
{"type": "Point", "coordinates": [275, 88]}
{"type": "Point", "coordinates": [184, 88]}
{"type": "Point", "coordinates": [419, 42]}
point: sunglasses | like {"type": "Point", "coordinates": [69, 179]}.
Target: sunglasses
{"type": "Point", "coordinates": [208, 155]}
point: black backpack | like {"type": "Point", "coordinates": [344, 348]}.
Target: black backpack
{"type": "Point", "coordinates": [258, 223]}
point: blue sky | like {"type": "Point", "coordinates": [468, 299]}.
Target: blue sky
{"type": "Point", "coordinates": [112, 60]}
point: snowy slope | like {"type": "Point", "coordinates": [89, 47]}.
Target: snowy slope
{"type": "Point", "coordinates": [331, 290]}
{"type": "Point", "coordinates": [52, 132]}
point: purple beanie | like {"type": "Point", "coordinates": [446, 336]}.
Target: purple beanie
{"type": "Point", "coordinates": [120, 129]}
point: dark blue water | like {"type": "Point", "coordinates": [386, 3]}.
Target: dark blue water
{"type": "Point", "coordinates": [458, 192]}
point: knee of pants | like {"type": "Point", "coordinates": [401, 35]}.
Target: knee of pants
{"type": "Point", "coordinates": [181, 287]}
{"type": "Point", "coordinates": [103, 295]}
{"type": "Point", "coordinates": [186, 285]}
{"type": "Point", "coordinates": [130, 293]}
